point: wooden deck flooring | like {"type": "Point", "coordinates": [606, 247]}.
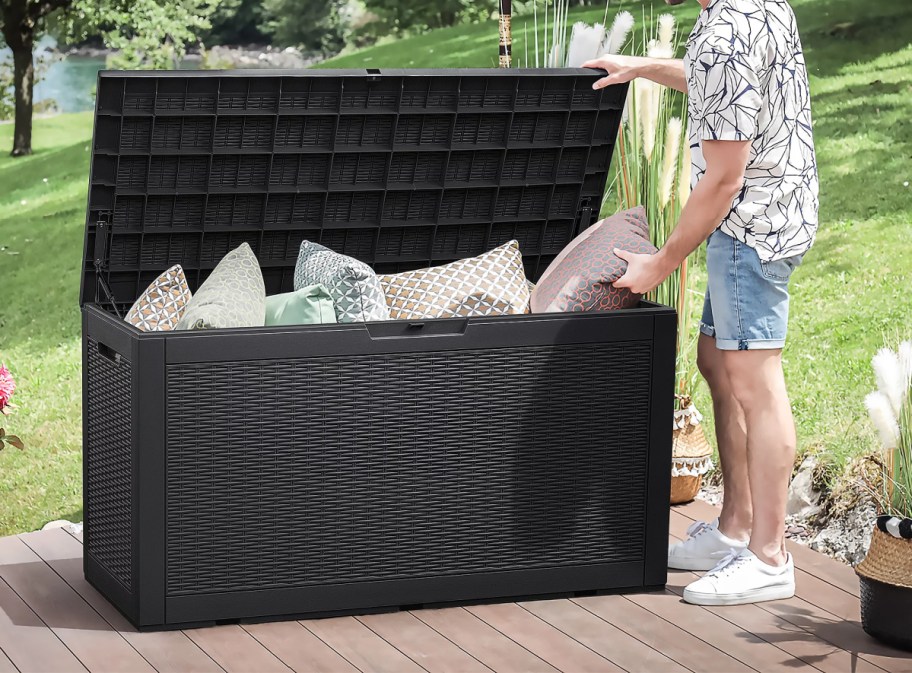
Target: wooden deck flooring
{"type": "Point", "coordinates": [52, 620]}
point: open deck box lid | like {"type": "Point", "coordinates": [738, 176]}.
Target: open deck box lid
{"type": "Point", "coordinates": [399, 168]}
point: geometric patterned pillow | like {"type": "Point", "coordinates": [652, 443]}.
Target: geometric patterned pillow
{"type": "Point", "coordinates": [580, 278]}
{"type": "Point", "coordinates": [352, 284]}
{"type": "Point", "coordinates": [233, 295]}
{"type": "Point", "coordinates": [493, 283]}
{"type": "Point", "coordinates": [161, 306]}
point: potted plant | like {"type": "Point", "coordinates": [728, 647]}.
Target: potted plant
{"type": "Point", "coordinates": [7, 388]}
{"type": "Point", "coordinates": [885, 574]}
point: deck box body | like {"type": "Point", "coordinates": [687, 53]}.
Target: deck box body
{"type": "Point", "coordinates": [316, 470]}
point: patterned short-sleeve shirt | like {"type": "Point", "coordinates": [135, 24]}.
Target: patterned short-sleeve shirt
{"type": "Point", "coordinates": [747, 80]}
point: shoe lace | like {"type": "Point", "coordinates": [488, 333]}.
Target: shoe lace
{"type": "Point", "coordinates": [697, 528]}
{"type": "Point", "coordinates": [728, 564]}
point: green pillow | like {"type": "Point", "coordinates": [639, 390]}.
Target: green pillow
{"type": "Point", "coordinates": [310, 305]}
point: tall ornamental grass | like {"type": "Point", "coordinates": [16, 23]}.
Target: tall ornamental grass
{"type": "Point", "coordinates": [652, 160]}
{"type": "Point", "coordinates": [653, 170]}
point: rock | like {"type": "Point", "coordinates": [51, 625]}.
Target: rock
{"type": "Point", "coordinates": [59, 523]}
{"type": "Point", "coordinates": [74, 528]}
{"type": "Point", "coordinates": [847, 537]}
{"type": "Point", "coordinates": [258, 57]}
{"type": "Point", "coordinates": [803, 499]}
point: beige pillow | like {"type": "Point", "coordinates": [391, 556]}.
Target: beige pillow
{"type": "Point", "coordinates": [161, 306]}
{"type": "Point", "coordinates": [491, 284]}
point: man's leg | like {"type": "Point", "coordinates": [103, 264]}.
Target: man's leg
{"type": "Point", "coordinates": [758, 385]}
{"type": "Point", "coordinates": [731, 438]}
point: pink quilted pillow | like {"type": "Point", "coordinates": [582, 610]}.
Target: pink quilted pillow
{"type": "Point", "coordinates": [581, 277]}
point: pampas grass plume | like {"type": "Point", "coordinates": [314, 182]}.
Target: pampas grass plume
{"type": "Point", "coordinates": [669, 160]}
{"type": "Point", "coordinates": [617, 36]}
{"type": "Point", "coordinates": [667, 31]}
{"type": "Point", "coordinates": [888, 372]}
{"type": "Point", "coordinates": [585, 43]}
{"type": "Point", "coordinates": [881, 413]}
{"type": "Point", "coordinates": [684, 178]}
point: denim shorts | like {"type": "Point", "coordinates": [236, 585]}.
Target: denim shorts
{"type": "Point", "coordinates": [747, 299]}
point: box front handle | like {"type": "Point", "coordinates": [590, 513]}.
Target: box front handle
{"type": "Point", "coordinates": [408, 329]}
{"type": "Point", "coordinates": [109, 353]}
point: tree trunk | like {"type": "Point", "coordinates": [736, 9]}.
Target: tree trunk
{"type": "Point", "coordinates": [24, 79]}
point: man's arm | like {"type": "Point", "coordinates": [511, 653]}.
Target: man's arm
{"type": "Point", "coordinates": [709, 203]}
{"type": "Point", "coordinates": [665, 71]}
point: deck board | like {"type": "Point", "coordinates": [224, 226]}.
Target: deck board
{"type": "Point", "coordinates": [422, 644]}
{"type": "Point", "coordinates": [542, 639]}
{"type": "Point", "coordinates": [98, 646]}
{"type": "Point", "coordinates": [600, 636]}
{"type": "Point", "coordinates": [6, 666]}
{"type": "Point", "coordinates": [235, 650]}
{"type": "Point", "coordinates": [27, 641]}
{"type": "Point", "coordinates": [51, 619]}
{"type": "Point", "coordinates": [488, 645]}
{"type": "Point", "coordinates": [663, 636]}
{"type": "Point", "coordinates": [298, 648]}
{"type": "Point", "coordinates": [362, 647]}
{"type": "Point", "coordinates": [166, 651]}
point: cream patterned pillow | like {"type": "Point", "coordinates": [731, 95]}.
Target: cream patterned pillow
{"type": "Point", "coordinates": [352, 284]}
{"type": "Point", "coordinates": [161, 306]}
{"type": "Point", "coordinates": [491, 284]}
{"type": "Point", "coordinates": [234, 295]}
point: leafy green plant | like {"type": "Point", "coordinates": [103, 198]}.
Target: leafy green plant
{"type": "Point", "coordinates": [890, 409]}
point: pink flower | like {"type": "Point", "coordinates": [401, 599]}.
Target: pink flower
{"type": "Point", "coordinates": [7, 386]}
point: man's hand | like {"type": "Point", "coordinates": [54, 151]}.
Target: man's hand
{"type": "Point", "coordinates": [620, 68]}
{"type": "Point", "coordinates": [644, 272]}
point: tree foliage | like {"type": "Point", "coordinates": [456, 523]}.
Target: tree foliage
{"type": "Point", "coordinates": [147, 33]}
{"type": "Point", "coordinates": [236, 22]}
{"type": "Point", "coordinates": [150, 33]}
{"type": "Point", "coordinates": [305, 23]}
{"type": "Point", "coordinates": [397, 17]}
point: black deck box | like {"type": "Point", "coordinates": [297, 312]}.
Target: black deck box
{"type": "Point", "coordinates": [274, 472]}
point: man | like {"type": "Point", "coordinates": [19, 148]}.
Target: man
{"type": "Point", "coordinates": [755, 197]}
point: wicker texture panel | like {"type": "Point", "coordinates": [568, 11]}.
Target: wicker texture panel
{"type": "Point", "coordinates": [312, 471]}
{"type": "Point", "coordinates": [109, 465]}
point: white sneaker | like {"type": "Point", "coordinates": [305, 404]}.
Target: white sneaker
{"type": "Point", "coordinates": [743, 578]}
{"type": "Point", "coordinates": [704, 547]}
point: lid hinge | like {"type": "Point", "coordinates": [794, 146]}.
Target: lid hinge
{"type": "Point", "coordinates": [584, 216]}
{"type": "Point", "coordinates": [102, 241]}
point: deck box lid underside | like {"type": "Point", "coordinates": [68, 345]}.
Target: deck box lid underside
{"type": "Point", "coordinates": [401, 169]}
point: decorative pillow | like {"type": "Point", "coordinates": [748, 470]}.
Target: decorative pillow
{"type": "Point", "coordinates": [353, 285]}
{"type": "Point", "coordinates": [491, 284]}
{"type": "Point", "coordinates": [161, 306]}
{"type": "Point", "coordinates": [310, 305]}
{"type": "Point", "coordinates": [581, 276]}
{"type": "Point", "coordinates": [233, 296]}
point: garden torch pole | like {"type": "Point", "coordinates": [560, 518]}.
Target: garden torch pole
{"type": "Point", "coordinates": [506, 36]}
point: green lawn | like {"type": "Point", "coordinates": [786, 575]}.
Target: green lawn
{"type": "Point", "coordinates": [854, 287]}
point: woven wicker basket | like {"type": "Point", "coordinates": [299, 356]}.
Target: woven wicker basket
{"type": "Point", "coordinates": [885, 576]}
{"type": "Point", "coordinates": [691, 453]}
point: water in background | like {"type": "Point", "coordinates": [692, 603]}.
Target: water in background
{"type": "Point", "coordinates": [71, 83]}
